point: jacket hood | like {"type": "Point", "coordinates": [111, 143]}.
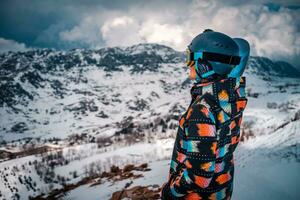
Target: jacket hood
{"type": "Point", "coordinates": [229, 93]}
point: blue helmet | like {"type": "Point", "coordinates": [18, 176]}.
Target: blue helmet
{"type": "Point", "coordinates": [216, 54]}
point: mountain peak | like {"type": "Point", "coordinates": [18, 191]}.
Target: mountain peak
{"type": "Point", "coordinates": [149, 46]}
{"type": "Point", "coordinates": [147, 56]}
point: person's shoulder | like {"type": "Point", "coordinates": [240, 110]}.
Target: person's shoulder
{"type": "Point", "coordinates": [201, 109]}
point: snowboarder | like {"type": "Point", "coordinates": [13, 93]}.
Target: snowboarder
{"type": "Point", "coordinates": [202, 163]}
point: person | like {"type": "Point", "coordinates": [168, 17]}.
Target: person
{"type": "Point", "coordinates": [202, 163]}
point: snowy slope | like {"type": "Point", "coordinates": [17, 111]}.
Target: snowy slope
{"type": "Point", "coordinates": [258, 177]}
{"type": "Point", "coordinates": [266, 167]}
{"type": "Point", "coordinates": [116, 106]}
{"type": "Point", "coordinates": [42, 96]}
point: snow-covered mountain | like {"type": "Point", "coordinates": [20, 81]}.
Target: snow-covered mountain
{"type": "Point", "coordinates": [54, 94]}
{"type": "Point", "coordinates": [66, 116]}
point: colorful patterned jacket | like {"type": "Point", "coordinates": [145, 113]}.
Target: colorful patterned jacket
{"type": "Point", "coordinates": [202, 164]}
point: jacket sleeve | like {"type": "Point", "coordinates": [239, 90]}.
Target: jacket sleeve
{"type": "Point", "coordinates": [199, 145]}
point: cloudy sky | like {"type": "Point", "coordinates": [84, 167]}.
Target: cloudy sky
{"type": "Point", "coordinates": [271, 27]}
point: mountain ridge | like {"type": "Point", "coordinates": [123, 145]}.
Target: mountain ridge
{"type": "Point", "coordinates": [111, 57]}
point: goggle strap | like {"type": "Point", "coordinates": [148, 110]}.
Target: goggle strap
{"type": "Point", "coordinates": [222, 58]}
{"type": "Point", "coordinates": [215, 57]}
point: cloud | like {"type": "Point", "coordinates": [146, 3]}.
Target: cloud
{"type": "Point", "coordinates": [168, 34]}
{"type": "Point", "coordinates": [86, 33]}
{"type": "Point", "coordinates": [271, 32]}
{"type": "Point", "coordinates": [11, 45]}
{"type": "Point", "coordinates": [121, 31]}
{"type": "Point", "coordinates": [126, 30]}
{"type": "Point", "coordinates": [272, 29]}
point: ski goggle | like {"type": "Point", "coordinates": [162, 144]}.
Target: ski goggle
{"type": "Point", "coordinates": [191, 57]}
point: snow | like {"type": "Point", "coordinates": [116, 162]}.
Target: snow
{"type": "Point", "coordinates": [104, 191]}
{"type": "Point", "coordinates": [264, 178]}
{"type": "Point", "coordinates": [13, 169]}
{"type": "Point", "coordinates": [137, 153]}
{"type": "Point", "coordinates": [256, 177]}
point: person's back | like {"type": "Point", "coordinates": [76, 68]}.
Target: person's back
{"type": "Point", "coordinates": [202, 164]}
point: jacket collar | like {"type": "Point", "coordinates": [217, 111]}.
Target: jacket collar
{"type": "Point", "coordinates": [234, 87]}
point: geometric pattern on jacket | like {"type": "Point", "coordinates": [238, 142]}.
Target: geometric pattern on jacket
{"type": "Point", "coordinates": [202, 162]}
